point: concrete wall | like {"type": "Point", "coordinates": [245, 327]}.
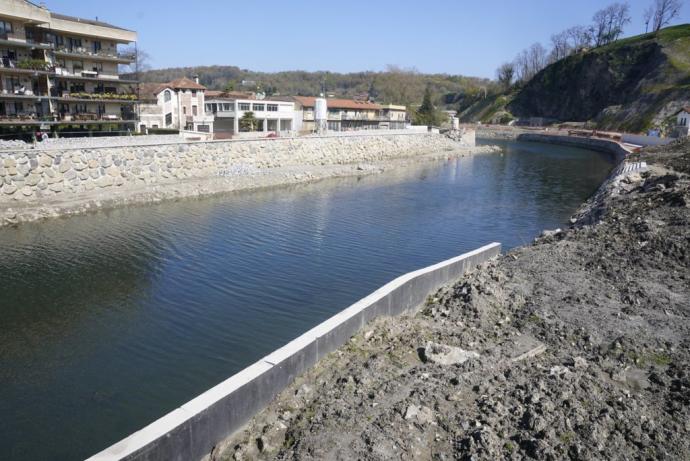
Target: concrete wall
{"type": "Point", "coordinates": [600, 145]}
{"type": "Point", "coordinates": [642, 140]}
{"type": "Point", "coordinates": [33, 175]}
{"type": "Point", "coordinates": [191, 431]}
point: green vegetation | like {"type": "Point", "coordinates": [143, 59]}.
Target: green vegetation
{"type": "Point", "coordinates": [248, 122]}
{"type": "Point", "coordinates": [33, 64]}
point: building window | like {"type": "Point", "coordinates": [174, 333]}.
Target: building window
{"type": "Point", "coordinates": [258, 107]}
{"type": "Point", "coordinates": [195, 110]}
{"type": "Point", "coordinates": [167, 96]}
{"type": "Point", "coordinates": [204, 128]}
{"type": "Point", "coordinates": [193, 92]}
{"type": "Point", "coordinates": [244, 106]}
{"type": "Point", "coordinates": [184, 110]}
{"type": "Point", "coordinates": [18, 107]}
{"type": "Point", "coordinates": [226, 106]}
{"type": "Point", "coordinates": [77, 66]}
{"type": "Point", "coordinates": [96, 46]}
{"type": "Point", "coordinates": [5, 27]}
{"type": "Point", "coordinates": [272, 107]}
{"type": "Point", "coordinates": [168, 119]}
{"type": "Point", "coordinates": [73, 43]}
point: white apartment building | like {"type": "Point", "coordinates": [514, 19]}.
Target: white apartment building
{"type": "Point", "coordinates": [178, 105]}
{"type": "Point", "coordinates": [272, 116]}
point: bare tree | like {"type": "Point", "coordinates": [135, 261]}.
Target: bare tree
{"type": "Point", "coordinates": [560, 46]}
{"type": "Point", "coordinates": [530, 61]}
{"type": "Point", "coordinates": [139, 64]}
{"type": "Point", "coordinates": [579, 37]}
{"type": "Point", "coordinates": [505, 74]}
{"type": "Point", "coordinates": [664, 12]}
{"type": "Point", "coordinates": [609, 22]}
{"type": "Point", "coordinates": [648, 15]}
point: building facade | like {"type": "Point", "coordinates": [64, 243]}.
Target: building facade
{"type": "Point", "coordinates": [176, 105]}
{"type": "Point", "coordinates": [393, 117]}
{"type": "Point", "coordinates": [59, 72]}
{"type": "Point", "coordinates": [271, 116]}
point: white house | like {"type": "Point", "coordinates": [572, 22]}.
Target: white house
{"type": "Point", "coordinates": [683, 121]}
{"type": "Point", "coordinates": [178, 105]}
{"type": "Point", "coordinates": [273, 116]}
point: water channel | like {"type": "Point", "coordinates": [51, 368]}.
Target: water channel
{"type": "Point", "coordinates": [112, 319]}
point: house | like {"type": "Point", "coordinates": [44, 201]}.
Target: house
{"type": "Point", "coordinates": [272, 115]}
{"type": "Point", "coordinates": [58, 70]}
{"type": "Point", "coordinates": [343, 114]}
{"type": "Point", "coordinates": [683, 121]}
{"type": "Point", "coordinates": [177, 105]}
{"type": "Point", "coordinates": [393, 117]}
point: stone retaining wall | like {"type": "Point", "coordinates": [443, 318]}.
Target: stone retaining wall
{"type": "Point", "coordinates": [600, 145]}
{"type": "Point", "coordinates": [36, 175]}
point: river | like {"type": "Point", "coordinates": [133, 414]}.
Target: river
{"type": "Point", "coordinates": [112, 319]}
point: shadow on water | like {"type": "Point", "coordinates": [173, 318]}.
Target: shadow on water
{"type": "Point", "coordinates": [112, 319]}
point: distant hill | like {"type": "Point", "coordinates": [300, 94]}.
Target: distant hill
{"type": "Point", "coordinates": [631, 84]}
{"type": "Point", "coordinates": [398, 86]}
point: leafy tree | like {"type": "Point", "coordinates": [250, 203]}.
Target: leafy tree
{"type": "Point", "coordinates": [505, 74]}
{"type": "Point", "coordinates": [230, 86]}
{"type": "Point", "coordinates": [248, 122]}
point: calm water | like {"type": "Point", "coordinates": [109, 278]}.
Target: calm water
{"type": "Point", "coordinates": [111, 320]}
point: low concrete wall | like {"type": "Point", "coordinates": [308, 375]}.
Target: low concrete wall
{"type": "Point", "coordinates": [600, 145]}
{"type": "Point", "coordinates": [645, 141]}
{"type": "Point", "coordinates": [191, 431]}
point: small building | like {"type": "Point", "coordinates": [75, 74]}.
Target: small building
{"type": "Point", "coordinates": [343, 114]}
{"type": "Point", "coordinates": [178, 105]}
{"type": "Point", "coordinates": [683, 121]}
{"type": "Point", "coordinates": [228, 108]}
{"type": "Point", "coordinates": [393, 117]}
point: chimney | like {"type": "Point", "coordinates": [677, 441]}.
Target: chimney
{"type": "Point", "coordinates": [196, 78]}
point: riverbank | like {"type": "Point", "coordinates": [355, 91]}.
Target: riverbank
{"type": "Point", "coordinates": [62, 182]}
{"type": "Point", "coordinates": [575, 346]}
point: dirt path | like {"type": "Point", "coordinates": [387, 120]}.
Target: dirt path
{"type": "Point", "coordinates": [575, 347]}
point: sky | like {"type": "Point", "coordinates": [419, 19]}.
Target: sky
{"type": "Point", "coordinates": [455, 37]}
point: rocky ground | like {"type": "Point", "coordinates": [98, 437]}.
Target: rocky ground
{"type": "Point", "coordinates": [575, 347]}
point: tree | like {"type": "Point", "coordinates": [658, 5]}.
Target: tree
{"type": "Point", "coordinates": [505, 75]}
{"type": "Point", "coordinates": [609, 22]}
{"type": "Point", "coordinates": [141, 62]}
{"type": "Point", "coordinates": [248, 122]}
{"type": "Point", "coordinates": [530, 61]}
{"type": "Point", "coordinates": [560, 46]}
{"type": "Point", "coordinates": [230, 86]}
{"type": "Point", "coordinates": [426, 114]}
{"type": "Point", "coordinates": [663, 12]}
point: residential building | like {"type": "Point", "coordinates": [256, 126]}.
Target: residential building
{"type": "Point", "coordinates": [58, 70]}
{"type": "Point", "coordinates": [343, 114]}
{"type": "Point", "coordinates": [272, 115]}
{"type": "Point", "coordinates": [683, 121]}
{"type": "Point", "coordinates": [178, 105]}
{"type": "Point", "coordinates": [393, 117]}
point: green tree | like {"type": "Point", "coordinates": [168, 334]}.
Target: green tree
{"type": "Point", "coordinates": [248, 122]}
{"type": "Point", "coordinates": [427, 114]}
{"type": "Point", "coordinates": [230, 86]}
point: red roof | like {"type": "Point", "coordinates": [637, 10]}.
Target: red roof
{"type": "Point", "coordinates": [334, 103]}
{"type": "Point", "coordinates": [149, 91]}
{"type": "Point", "coordinates": [214, 94]}
{"type": "Point", "coordinates": [185, 84]}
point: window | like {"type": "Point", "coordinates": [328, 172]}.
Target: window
{"type": "Point", "coordinates": [80, 108]}
{"type": "Point", "coordinates": [203, 128]}
{"type": "Point", "coordinates": [193, 92]}
{"type": "Point", "coordinates": [258, 107]}
{"type": "Point", "coordinates": [272, 107]}
{"type": "Point", "coordinates": [244, 106]}
{"type": "Point", "coordinates": [73, 43]}
{"type": "Point", "coordinates": [168, 119]}
{"type": "Point", "coordinates": [5, 27]}
{"type": "Point", "coordinates": [96, 46]}
{"type": "Point", "coordinates": [18, 107]}
{"type": "Point", "coordinates": [77, 66]}
{"type": "Point", "coordinates": [155, 125]}
{"type": "Point", "coordinates": [167, 96]}
{"type": "Point", "coordinates": [184, 110]}
{"type": "Point", "coordinates": [226, 106]}
{"type": "Point", "coordinates": [208, 108]}
{"type": "Point", "coordinates": [195, 109]}
{"type": "Point", "coordinates": [77, 88]}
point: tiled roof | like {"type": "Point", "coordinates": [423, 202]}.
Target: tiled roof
{"type": "Point", "coordinates": [185, 84]}
{"type": "Point", "coordinates": [149, 91]}
{"type": "Point", "coordinates": [334, 103]}
{"type": "Point", "coordinates": [215, 94]}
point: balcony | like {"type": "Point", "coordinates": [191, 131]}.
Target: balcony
{"type": "Point", "coordinates": [30, 66]}
{"type": "Point", "coordinates": [98, 97]}
{"type": "Point", "coordinates": [87, 75]}
{"type": "Point", "coordinates": [13, 40]}
{"type": "Point", "coordinates": [102, 55]}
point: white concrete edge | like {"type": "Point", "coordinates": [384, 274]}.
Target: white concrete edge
{"type": "Point", "coordinates": [213, 141]}
{"type": "Point", "coordinates": [175, 418]}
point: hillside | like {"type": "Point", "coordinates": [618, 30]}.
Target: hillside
{"type": "Point", "coordinates": [632, 84]}
{"type": "Point", "coordinates": [401, 86]}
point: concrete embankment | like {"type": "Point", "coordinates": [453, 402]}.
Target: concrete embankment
{"type": "Point", "coordinates": [57, 182]}
{"type": "Point", "coordinates": [199, 427]}
{"type": "Point", "coordinates": [575, 347]}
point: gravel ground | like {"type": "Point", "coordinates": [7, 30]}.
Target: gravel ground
{"type": "Point", "coordinates": [575, 347]}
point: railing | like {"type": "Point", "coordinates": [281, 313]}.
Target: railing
{"type": "Point", "coordinates": [25, 64]}
{"type": "Point", "coordinates": [98, 54]}
{"type": "Point", "coordinates": [97, 96]}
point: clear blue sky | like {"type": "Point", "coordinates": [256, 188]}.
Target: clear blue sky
{"type": "Point", "coordinates": [453, 36]}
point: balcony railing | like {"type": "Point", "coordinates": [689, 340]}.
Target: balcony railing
{"type": "Point", "coordinates": [25, 64]}
{"type": "Point", "coordinates": [100, 96]}
{"type": "Point", "coordinates": [80, 51]}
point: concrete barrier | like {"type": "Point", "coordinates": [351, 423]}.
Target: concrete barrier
{"type": "Point", "coordinates": [600, 145]}
{"type": "Point", "coordinates": [191, 431]}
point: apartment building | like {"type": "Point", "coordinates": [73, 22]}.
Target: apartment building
{"type": "Point", "coordinates": [179, 105]}
{"type": "Point", "coordinates": [271, 115]}
{"type": "Point", "coordinates": [343, 114]}
{"type": "Point", "coordinates": [58, 71]}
